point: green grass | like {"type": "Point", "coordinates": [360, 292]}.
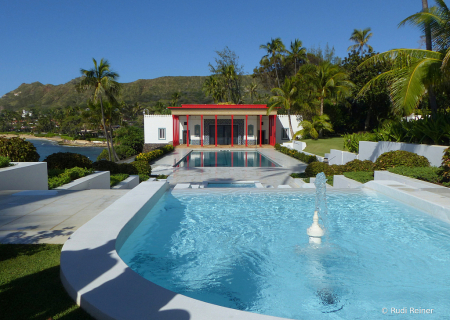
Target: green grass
{"type": "Point", "coordinates": [30, 287]}
{"type": "Point", "coordinates": [321, 146]}
{"type": "Point", "coordinates": [116, 178]}
{"type": "Point", "coordinates": [360, 176]}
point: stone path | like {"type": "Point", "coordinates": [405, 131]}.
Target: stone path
{"type": "Point", "coordinates": [49, 216]}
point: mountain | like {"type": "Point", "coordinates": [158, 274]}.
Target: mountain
{"type": "Point", "coordinates": [145, 92]}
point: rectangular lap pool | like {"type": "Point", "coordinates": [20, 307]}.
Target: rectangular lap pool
{"type": "Point", "coordinates": [226, 158]}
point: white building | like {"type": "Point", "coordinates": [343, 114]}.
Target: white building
{"type": "Point", "coordinates": [249, 125]}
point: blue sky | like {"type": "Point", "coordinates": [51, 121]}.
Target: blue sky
{"type": "Point", "coordinates": [49, 41]}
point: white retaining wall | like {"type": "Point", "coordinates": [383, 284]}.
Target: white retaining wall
{"type": "Point", "coordinates": [340, 157]}
{"type": "Point", "coordinates": [342, 182]}
{"type": "Point", "coordinates": [24, 176]}
{"type": "Point", "coordinates": [128, 183]}
{"type": "Point", "coordinates": [369, 150]}
{"type": "Point", "coordinates": [97, 180]}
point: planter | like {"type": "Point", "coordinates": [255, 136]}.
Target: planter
{"type": "Point", "coordinates": [97, 180]}
{"type": "Point", "coordinates": [24, 176]}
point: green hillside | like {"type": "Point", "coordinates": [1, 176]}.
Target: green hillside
{"type": "Point", "coordinates": [145, 92]}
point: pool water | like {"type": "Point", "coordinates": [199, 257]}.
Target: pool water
{"type": "Point", "coordinates": [249, 251]}
{"type": "Point", "coordinates": [226, 158]}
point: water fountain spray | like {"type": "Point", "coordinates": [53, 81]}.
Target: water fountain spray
{"type": "Point", "coordinates": [316, 232]}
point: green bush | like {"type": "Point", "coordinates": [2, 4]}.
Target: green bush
{"type": "Point", "coordinates": [358, 165]}
{"type": "Point", "coordinates": [400, 158]}
{"type": "Point", "coordinates": [104, 155]}
{"type": "Point", "coordinates": [67, 160]}
{"type": "Point", "coordinates": [105, 165]}
{"type": "Point", "coordinates": [298, 155]}
{"type": "Point", "coordinates": [167, 148]}
{"type": "Point", "coordinates": [360, 176]}
{"type": "Point", "coordinates": [277, 146]}
{"type": "Point", "coordinates": [124, 152]}
{"type": "Point", "coordinates": [316, 167]}
{"type": "Point", "coordinates": [4, 162]}
{"type": "Point", "coordinates": [143, 177]}
{"type": "Point", "coordinates": [130, 137]}
{"type": "Point", "coordinates": [161, 176]}
{"type": "Point", "coordinates": [67, 176]}
{"type": "Point", "coordinates": [142, 167]}
{"type": "Point", "coordinates": [430, 174]}
{"type": "Point", "coordinates": [446, 166]}
{"type": "Point", "coordinates": [154, 154]}
{"type": "Point", "coordinates": [351, 141]}
{"type": "Point", "coordinates": [116, 178]}
{"type": "Point", "coordinates": [127, 168]}
{"type": "Point", "coordinates": [299, 175]}
{"type": "Point", "coordinates": [18, 150]}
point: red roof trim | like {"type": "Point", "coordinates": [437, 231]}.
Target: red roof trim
{"type": "Point", "coordinates": [221, 106]}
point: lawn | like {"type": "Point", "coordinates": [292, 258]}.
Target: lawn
{"type": "Point", "coordinates": [30, 287]}
{"type": "Point", "coordinates": [321, 146]}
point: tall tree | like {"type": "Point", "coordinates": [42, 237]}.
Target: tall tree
{"type": "Point", "coordinates": [104, 82]}
{"type": "Point", "coordinates": [175, 97]}
{"type": "Point", "coordinates": [274, 48]}
{"type": "Point", "coordinates": [251, 90]}
{"type": "Point", "coordinates": [360, 37]}
{"type": "Point", "coordinates": [296, 53]}
{"type": "Point", "coordinates": [285, 98]}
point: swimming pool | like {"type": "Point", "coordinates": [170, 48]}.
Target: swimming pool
{"type": "Point", "coordinates": [249, 251]}
{"type": "Point", "coordinates": [226, 158]}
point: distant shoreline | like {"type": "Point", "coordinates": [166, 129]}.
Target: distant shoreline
{"type": "Point", "coordinates": [59, 140]}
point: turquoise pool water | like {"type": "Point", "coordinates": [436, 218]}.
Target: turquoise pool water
{"type": "Point", "coordinates": [249, 251]}
{"type": "Point", "coordinates": [231, 185]}
{"type": "Point", "coordinates": [226, 158]}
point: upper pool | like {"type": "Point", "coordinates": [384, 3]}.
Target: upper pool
{"type": "Point", "coordinates": [226, 158]}
{"type": "Point", "coordinates": [248, 250]}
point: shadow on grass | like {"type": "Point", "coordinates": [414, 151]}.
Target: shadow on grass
{"type": "Point", "coordinates": [38, 295]}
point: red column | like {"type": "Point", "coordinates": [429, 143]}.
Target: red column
{"type": "Point", "coordinates": [232, 136]}
{"type": "Point", "coordinates": [270, 130]}
{"type": "Point", "coordinates": [176, 130]}
{"type": "Point", "coordinates": [201, 131]}
{"type": "Point", "coordinates": [246, 130]}
{"type": "Point", "coordinates": [216, 137]}
{"type": "Point", "coordinates": [274, 129]}
{"type": "Point", "coordinates": [187, 133]}
{"type": "Point", "coordinates": [173, 131]}
{"type": "Point", "coordinates": [260, 130]}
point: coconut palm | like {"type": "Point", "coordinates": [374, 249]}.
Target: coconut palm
{"type": "Point", "coordinates": [360, 37]}
{"type": "Point", "coordinates": [313, 127]}
{"type": "Point", "coordinates": [175, 97]}
{"type": "Point", "coordinates": [415, 72]}
{"type": "Point", "coordinates": [328, 80]}
{"type": "Point", "coordinates": [105, 85]}
{"type": "Point", "coordinates": [274, 48]}
{"type": "Point", "coordinates": [297, 52]}
{"type": "Point", "coordinates": [285, 98]}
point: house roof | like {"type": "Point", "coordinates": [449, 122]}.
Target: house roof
{"type": "Point", "coordinates": [221, 106]}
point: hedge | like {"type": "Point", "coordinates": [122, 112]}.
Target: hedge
{"type": "Point", "coordinates": [295, 154]}
{"type": "Point", "coordinates": [116, 178]}
{"type": "Point", "coordinates": [67, 160]}
{"type": "Point", "coordinates": [67, 176]}
{"type": "Point", "coordinates": [400, 158]}
{"type": "Point", "coordinates": [4, 162]}
{"type": "Point", "coordinates": [154, 154]}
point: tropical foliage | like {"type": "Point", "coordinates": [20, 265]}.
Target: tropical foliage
{"type": "Point", "coordinates": [361, 38]}
{"type": "Point", "coordinates": [312, 128]}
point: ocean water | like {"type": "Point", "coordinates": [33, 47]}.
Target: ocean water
{"type": "Point", "coordinates": [46, 148]}
{"type": "Point", "coordinates": [249, 251]}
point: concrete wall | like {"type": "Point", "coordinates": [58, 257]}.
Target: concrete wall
{"type": "Point", "coordinates": [128, 183]}
{"type": "Point", "coordinates": [24, 176]}
{"type": "Point", "coordinates": [372, 150]}
{"type": "Point", "coordinates": [283, 123]}
{"type": "Point", "coordinates": [342, 182]}
{"type": "Point", "coordinates": [296, 145]}
{"type": "Point", "coordinates": [97, 180]}
{"type": "Point", "coordinates": [340, 157]}
{"type": "Point", "coordinates": [151, 125]}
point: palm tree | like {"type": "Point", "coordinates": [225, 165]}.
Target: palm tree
{"type": "Point", "coordinates": [427, 28]}
{"type": "Point", "coordinates": [312, 128]}
{"type": "Point", "coordinates": [274, 48]}
{"type": "Point", "coordinates": [284, 97]}
{"type": "Point", "coordinates": [328, 80]}
{"type": "Point", "coordinates": [360, 37]}
{"type": "Point", "coordinates": [213, 87]}
{"type": "Point", "coordinates": [297, 52]}
{"type": "Point", "coordinates": [175, 97]}
{"type": "Point", "coordinates": [104, 82]}
{"type": "Point", "coordinates": [251, 90]}
{"type": "Point", "coordinates": [415, 72]}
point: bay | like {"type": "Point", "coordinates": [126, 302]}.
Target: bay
{"type": "Point", "coordinates": [47, 147]}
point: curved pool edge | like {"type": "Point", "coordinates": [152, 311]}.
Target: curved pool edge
{"type": "Point", "coordinates": [99, 281]}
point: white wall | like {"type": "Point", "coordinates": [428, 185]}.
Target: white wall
{"type": "Point", "coordinates": [24, 176]}
{"type": "Point", "coordinates": [341, 157]}
{"type": "Point", "coordinates": [372, 150]}
{"type": "Point", "coordinates": [283, 122]}
{"type": "Point", "coordinates": [151, 125]}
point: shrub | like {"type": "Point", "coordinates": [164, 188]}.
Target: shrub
{"type": "Point", "coordinates": [104, 155]}
{"type": "Point", "coordinates": [430, 174]}
{"type": "Point", "coordinates": [67, 160]}
{"type": "Point", "coordinates": [17, 149]}
{"type": "Point", "coordinates": [298, 155]}
{"type": "Point", "coordinates": [167, 148]}
{"type": "Point", "coordinates": [124, 152]}
{"type": "Point", "coordinates": [143, 177]}
{"type": "Point", "coordinates": [116, 178]}
{"type": "Point", "coordinates": [130, 137]}
{"type": "Point", "coordinates": [161, 176]}
{"type": "Point", "coordinates": [358, 165]}
{"type": "Point", "coordinates": [400, 158]}
{"type": "Point", "coordinates": [127, 168]}
{"type": "Point", "coordinates": [316, 167]}
{"type": "Point", "coordinates": [351, 141]}
{"type": "Point", "coordinates": [142, 167]}
{"type": "Point", "coordinates": [277, 146]}
{"type": "Point", "coordinates": [67, 176]}
{"type": "Point", "coordinates": [299, 175]}
{"type": "Point", "coordinates": [105, 165]}
{"type": "Point", "coordinates": [150, 156]}
{"type": "Point", "coordinates": [4, 162]}
{"type": "Point", "coordinates": [360, 176]}
{"type": "Point", "coordinates": [446, 166]}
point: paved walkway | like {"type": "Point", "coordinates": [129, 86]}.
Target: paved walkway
{"type": "Point", "coordinates": [273, 176]}
{"type": "Point", "coordinates": [49, 216]}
